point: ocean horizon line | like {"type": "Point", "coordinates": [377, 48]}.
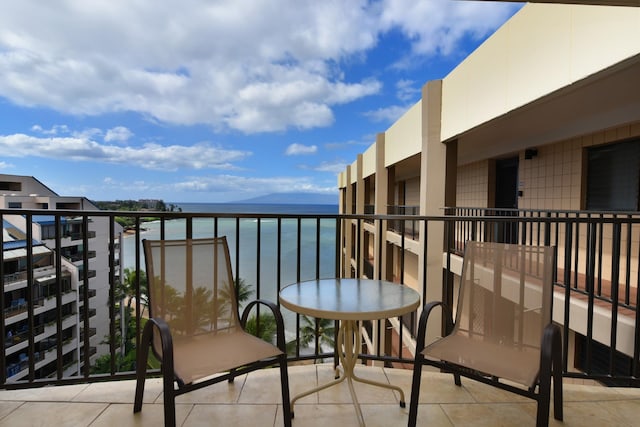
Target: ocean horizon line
{"type": "Point", "coordinates": [258, 207]}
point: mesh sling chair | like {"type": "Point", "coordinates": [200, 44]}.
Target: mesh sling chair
{"type": "Point", "coordinates": [503, 328]}
{"type": "Point", "coordinates": [194, 327]}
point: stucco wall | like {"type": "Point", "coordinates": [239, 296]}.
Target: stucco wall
{"type": "Point", "coordinates": [404, 138]}
{"type": "Point", "coordinates": [543, 48]}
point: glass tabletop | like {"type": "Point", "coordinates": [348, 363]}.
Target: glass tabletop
{"type": "Point", "coordinates": [349, 299]}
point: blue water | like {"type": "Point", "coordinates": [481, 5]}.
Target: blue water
{"type": "Point", "coordinates": [253, 266]}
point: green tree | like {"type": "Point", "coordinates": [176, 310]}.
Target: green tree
{"type": "Point", "coordinates": [125, 294]}
{"type": "Point", "coordinates": [266, 328]}
{"type": "Point", "coordinates": [325, 333]}
{"type": "Point", "coordinates": [126, 290]}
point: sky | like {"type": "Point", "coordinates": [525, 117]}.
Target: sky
{"type": "Point", "coordinates": [205, 101]}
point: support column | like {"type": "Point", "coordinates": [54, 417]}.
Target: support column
{"type": "Point", "coordinates": [346, 226]}
{"type": "Point", "coordinates": [360, 196]}
{"type": "Point", "coordinates": [380, 202]}
{"type": "Point", "coordinates": [432, 200]}
{"type": "Point", "coordinates": [380, 245]}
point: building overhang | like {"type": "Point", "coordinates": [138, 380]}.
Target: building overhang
{"type": "Point", "coordinates": [627, 3]}
{"type": "Point", "coordinates": [12, 254]}
{"type": "Point", "coordinates": [607, 99]}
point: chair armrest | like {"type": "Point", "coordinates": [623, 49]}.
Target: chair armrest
{"type": "Point", "coordinates": [551, 343]}
{"type": "Point", "coordinates": [276, 314]}
{"type": "Point", "coordinates": [424, 318]}
{"type": "Point", "coordinates": [166, 342]}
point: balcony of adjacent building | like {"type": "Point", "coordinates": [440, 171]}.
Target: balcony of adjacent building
{"type": "Point", "coordinates": [86, 273]}
{"type": "Point", "coordinates": [45, 290]}
{"type": "Point", "coordinates": [75, 228]}
{"type": "Point", "coordinates": [271, 251]}
{"type": "Point", "coordinates": [76, 253]}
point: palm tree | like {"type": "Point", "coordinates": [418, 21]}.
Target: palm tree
{"type": "Point", "coordinates": [265, 328]}
{"type": "Point", "coordinates": [125, 293]}
{"type": "Point", "coordinates": [325, 332]}
{"type": "Point", "coordinates": [126, 289]}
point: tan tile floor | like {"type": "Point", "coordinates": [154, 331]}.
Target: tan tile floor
{"type": "Point", "coordinates": [254, 400]}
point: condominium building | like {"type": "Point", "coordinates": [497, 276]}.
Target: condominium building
{"type": "Point", "coordinates": [543, 116]}
{"type": "Point", "coordinates": [31, 316]}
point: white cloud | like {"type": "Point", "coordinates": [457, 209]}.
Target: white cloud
{"type": "Point", "coordinates": [271, 71]}
{"type": "Point", "coordinates": [148, 156]}
{"type": "Point", "coordinates": [335, 166]}
{"type": "Point", "coordinates": [5, 165]}
{"type": "Point", "coordinates": [89, 133]}
{"type": "Point", "coordinates": [438, 26]}
{"type": "Point", "coordinates": [300, 149]}
{"type": "Point", "coordinates": [118, 134]}
{"type": "Point", "coordinates": [366, 141]}
{"type": "Point", "coordinates": [240, 185]}
{"type": "Point", "coordinates": [241, 65]}
{"type": "Point", "coordinates": [388, 114]}
{"type": "Point", "coordinates": [55, 130]}
{"type": "Point", "coordinates": [407, 91]}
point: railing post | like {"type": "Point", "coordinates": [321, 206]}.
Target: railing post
{"type": "Point", "coordinates": [615, 283]}
{"type": "Point", "coordinates": [3, 331]}
{"type": "Point", "coordinates": [30, 296]}
{"type": "Point", "coordinates": [567, 292]}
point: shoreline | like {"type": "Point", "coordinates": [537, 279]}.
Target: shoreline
{"type": "Point", "coordinates": [132, 231]}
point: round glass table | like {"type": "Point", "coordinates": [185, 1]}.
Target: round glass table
{"type": "Point", "coordinates": [349, 301]}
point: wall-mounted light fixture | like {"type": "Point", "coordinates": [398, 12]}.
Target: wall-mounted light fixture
{"type": "Point", "coordinates": [530, 153]}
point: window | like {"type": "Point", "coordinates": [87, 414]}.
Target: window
{"type": "Point", "coordinates": [10, 186]}
{"type": "Point", "coordinates": [613, 177]}
{"type": "Point", "coordinates": [48, 232]}
{"type": "Point", "coordinates": [14, 205]}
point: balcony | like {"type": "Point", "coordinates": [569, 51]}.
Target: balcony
{"type": "Point", "coordinates": [254, 401]}
{"type": "Point", "coordinates": [79, 235]}
{"type": "Point", "coordinates": [406, 227]}
{"type": "Point", "coordinates": [91, 292]}
{"type": "Point", "coordinates": [89, 273]}
{"type": "Point", "coordinates": [270, 251]}
{"type": "Point", "coordinates": [78, 256]}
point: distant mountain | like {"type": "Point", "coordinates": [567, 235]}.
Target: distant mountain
{"type": "Point", "coordinates": [295, 198]}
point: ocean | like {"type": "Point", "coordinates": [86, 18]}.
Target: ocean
{"type": "Point", "coordinates": [258, 265]}
{"type": "Point", "coordinates": [258, 208]}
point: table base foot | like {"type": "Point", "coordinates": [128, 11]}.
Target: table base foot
{"type": "Point", "coordinates": [383, 385]}
{"type": "Point", "coordinates": [317, 389]}
{"type": "Point", "coordinates": [350, 340]}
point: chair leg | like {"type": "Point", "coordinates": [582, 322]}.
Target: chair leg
{"type": "Point", "coordinates": [415, 390]}
{"type": "Point", "coordinates": [544, 395]}
{"type": "Point", "coordinates": [141, 372]}
{"type": "Point", "coordinates": [550, 365]}
{"type": "Point", "coordinates": [557, 377]}
{"type": "Point", "coordinates": [169, 403]}
{"type": "Point", "coordinates": [557, 395]}
{"type": "Point", "coordinates": [284, 384]}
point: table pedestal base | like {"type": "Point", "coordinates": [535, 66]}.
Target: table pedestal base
{"type": "Point", "coordinates": [350, 346]}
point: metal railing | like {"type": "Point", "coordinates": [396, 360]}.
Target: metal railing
{"type": "Point", "coordinates": [406, 227]}
{"type": "Point", "coordinates": [597, 260]}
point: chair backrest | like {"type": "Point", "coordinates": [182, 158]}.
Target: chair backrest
{"type": "Point", "coordinates": [191, 286]}
{"type": "Point", "coordinates": [506, 296]}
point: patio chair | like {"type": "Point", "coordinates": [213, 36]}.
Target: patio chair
{"type": "Point", "coordinates": [503, 334]}
{"type": "Point", "coordinates": [194, 327]}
